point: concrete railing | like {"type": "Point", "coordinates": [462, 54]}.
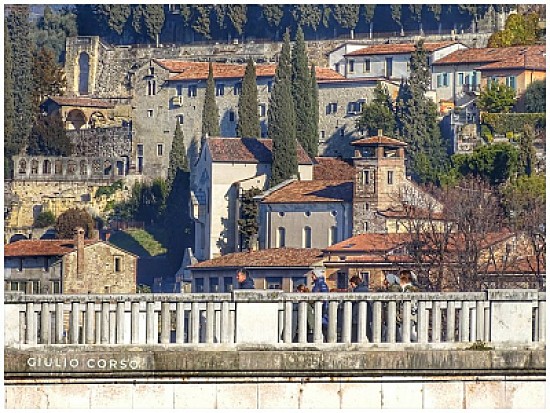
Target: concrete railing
{"type": "Point", "coordinates": [273, 317]}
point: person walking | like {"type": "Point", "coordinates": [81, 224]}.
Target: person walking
{"type": "Point", "coordinates": [320, 286]}
{"type": "Point", "coordinates": [360, 286]}
{"type": "Point", "coordinates": [244, 280]}
{"type": "Point", "coordinates": [310, 317]}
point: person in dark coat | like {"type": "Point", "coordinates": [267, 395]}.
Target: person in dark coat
{"type": "Point", "coordinates": [244, 280]}
{"type": "Point", "coordinates": [360, 286]}
{"type": "Point", "coordinates": [320, 286]}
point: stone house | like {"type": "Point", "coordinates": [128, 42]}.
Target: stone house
{"type": "Point", "coordinates": [344, 200]}
{"type": "Point", "coordinates": [274, 268]}
{"type": "Point", "coordinates": [70, 266]}
{"type": "Point", "coordinates": [226, 167]}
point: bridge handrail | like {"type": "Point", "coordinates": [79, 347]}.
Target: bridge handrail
{"type": "Point", "coordinates": [272, 317]}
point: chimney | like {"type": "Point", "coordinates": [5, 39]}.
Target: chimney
{"type": "Point", "coordinates": [79, 242]}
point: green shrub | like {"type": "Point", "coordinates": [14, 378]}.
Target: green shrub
{"type": "Point", "coordinates": [44, 219]}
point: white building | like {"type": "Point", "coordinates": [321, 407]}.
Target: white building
{"type": "Point", "coordinates": [226, 167]}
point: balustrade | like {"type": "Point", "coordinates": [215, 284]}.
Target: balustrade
{"type": "Point", "coordinates": [273, 317]}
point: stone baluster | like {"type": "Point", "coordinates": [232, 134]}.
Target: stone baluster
{"type": "Point", "coordinates": [391, 324]}
{"type": "Point", "coordinates": [332, 321]}
{"type": "Point", "coordinates": [377, 321]}
{"type": "Point", "coordinates": [165, 328]}
{"type": "Point", "coordinates": [473, 322]}
{"type": "Point", "coordinates": [90, 319]}
{"type": "Point", "coordinates": [450, 333]}
{"type": "Point", "coordinates": [422, 322]}
{"type": "Point", "coordinates": [464, 322]}
{"type": "Point", "coordinates": [541, 330]}
{"type": "Point", "coordinates": [74, 328]}
{"type": "Point", "coordinates": [362, 318]}
{"type": "Point", "coordinates": [195, 323]}
{"type": "Point", "coordinates": [346, 327]}
{"type": "Point", "coordinates": [406, 322]}
{"type": "Point", "coordinates": [180, 323]}
{"type": "Point", "coordinates": [436, 322]}
{"type": "Point", "coordinates": [150, 323]}
{"type": "Point", "coordinates": [287, 332]}
{"type": "Point", "coordinates": [97, 329]}
{"type": "Point", "coordinates": [318, 327]}
{"type": "Point", "coordinates": [135, 322]}
{"type": "Point", "coordinates": [302, 321]}
{"type": "Point", "coordinates": [105, 311]}
{"type": "Point", "coordinates": [30, 333]}
{"type": "Point", "coordinates": [210, 318]}
{"type": "Point", "coordinates": [59, 330]}
{"type": "Point", "coordinates": [225, 323]}
{"type": "Point", "coordinates": [45, 324]}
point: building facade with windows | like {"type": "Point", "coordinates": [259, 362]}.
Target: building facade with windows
{"type": "Point", "coordinates": [270, 269]}
{"type": "Point", "coordinates": [70, 266]}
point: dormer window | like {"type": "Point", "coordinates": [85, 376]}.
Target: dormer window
{"type": "Point", "coordinates": [151, 71]}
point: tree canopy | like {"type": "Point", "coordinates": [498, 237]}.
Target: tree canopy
{"type": "Point", "coordinates": [535, 97]}
{"type": "Point", "coordinates": [248, 124]}
{"type": "Point", "coordinates": [210, 112]}
{"type": "Point", "coordinates": [497, 98]}
{"type": "Point", "coordinates": [72, 218]}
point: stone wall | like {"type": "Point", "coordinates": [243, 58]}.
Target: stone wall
{"type": "Point", "coordinates": [102, 142]}
{"type": "Point", "coordinates": [261, 377]}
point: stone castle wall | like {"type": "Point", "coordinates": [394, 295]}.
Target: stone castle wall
{"type": "Point", "coordinates": [113, 142]}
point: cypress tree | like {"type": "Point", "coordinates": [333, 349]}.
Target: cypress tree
{"type": "Point", "coordinates": [48, 77]}
{"type": "Point", "coordinates": [19, 34]}
{"type": "Point", "coordinates": [416, 118]}
{"type": "Point", "coordinates": [178, 156]}
{"type": "Point", "coordinates": [248, 125]}
{"type": "Point", "coordinates": [49, 137]}
{"type": "Point", "coordinates": [210, 113]}
{"type": "Point", "coordinates": [301, 92]}
{"type": "Point", "coordinates": [282, 120]}
{"type": "Point", "coordinates": [314, 112]}
{"type": "Point", "coordinates": [9, 112]}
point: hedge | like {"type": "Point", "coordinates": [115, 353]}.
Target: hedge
{"type": "Point", "coordinates": [503, 123]}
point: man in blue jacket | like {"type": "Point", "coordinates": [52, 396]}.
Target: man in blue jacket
{"type": "Point", "coordinates": [244, 280]}
{"type": "Point", "coordinates": [320, 286]}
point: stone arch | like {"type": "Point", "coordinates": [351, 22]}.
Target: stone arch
{"type": "Point", "coordinates": [75, 119]}
{"type": "Point", "coordinates": [71, 167]}
{"type": "Point", "coordinates": [58, 167]}
{"type": "Point", "coordinates": [83, 73]}
{"type": "Point", "coordinates": [46, 167]}
{"type": "Point", "coordinates": [97, 119]}
{"type": "Point", "coordinates": [17, 237]}
{"type": "Point", "coordinates": [22, 166]}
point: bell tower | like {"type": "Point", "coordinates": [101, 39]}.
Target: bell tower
{"type": "Point", "coordinates": [380, 171]}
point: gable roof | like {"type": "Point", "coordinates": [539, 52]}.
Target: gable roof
{"type": "Point", "coordinates": [185, 70]}
{"type": "Point", "coordinates": [398, 48]}
{"type": "Point", "coordinates": [499, 57]}
{"type": "Point", "coordinates": [248, 150]}
{"type": "Point", "coordinates": [35, 248]}
{"type": "Point", "coordinates": [333, 168]}
{"type": "Point", "coordinates": [298, 192]}
{"type": "Point", "coordinates": [56, 247]}
{"type": "Point", "coordinates": [79, 101]}
{"type": "Point", "coordinates": [378, 140]}
{"type": "Point", "coordinates": [268, 258]}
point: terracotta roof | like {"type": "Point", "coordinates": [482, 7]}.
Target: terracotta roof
{"type": "Point", "coordinates": [34, 248]}
{"type": "Point", "coordinates": [370, 243]}
{"type": "Point", "coordinates": [378, 259]}
{"type": "Point", "coordinates": [273, 257]}
{"type": "Point", "coordinates": [522, 265]}
{"type": "Point", "coordinates": [398, 48]}
{"type": "Point", "coordinates": [504, 56]}
{"type": "Point", "coordinates": [377, 140]}
{"type": "Point", "coordinates": [185, 70]}
{"type": "Point", "coordinates": [312, 191]}
{"type": "Point", "coordinates": [249, 150]}
{"type": "Point", "coordinates": [533, 59]}
{"type": "Point", "coordinates": [333, 168]}
{"type": "Point", "coordinates": [77, 101]}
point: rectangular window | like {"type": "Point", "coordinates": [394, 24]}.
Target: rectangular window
{"type": "Point", "coordinates": [439, 80]}
{"type": "Point", "coordinates": [307, 237]}
{"type": "Point", "coordinates": [511, 82]}
{"type": "Point", "coordinates": [332, 108]}
{"type": "Point", "coordinates": [227, 284]}
{"type": "Point", "coordinates": [179, 90]}
{"type": "Point", "coordinates": [274, 283]}
{"type": "Point", "coordinates": [281, 242]}
{"type": "Point", "coordinates": [296, 281]}
{"type": "Point", "coordinates": [140, 149]}
{"type": "Point", "coordinates": [179, 119]}
{"type": "Point", "coordinates": [214, 284]}
{"type": "Point", "coordinates": [367, 65]}
{"type": "Point", "coordinates": [366, 177]}
{"type": "Point", "coordinates": [192, 91]}
{"type": "Point", "coordinates": [333, 235]}
{"type": "Point", "coordinates": [322, 135]}
{"type": "Point", "coordinates": [151, 87]}
{"type": "Point", "coordinates": [118, 264]}
{"type": "Point", "coordinates": [461, 79]}
{"type": "Point", "coordinates": [390, 177]}
{"type": "Point", "coordinates": [56, 287]}
{"type": "Point", "coordinates": [238, 89]}
{"type": "Point", "coordinates": [337, 67]}
{"type": "Point", "coordinates": [389, 67]}
{"type": "Point", "coordinates": [160, 148]}
{"type": "Point", "coordinates": [341, 281]}
{"type": "Point", "coordinates": [150, 113]}
{"type": "Point", "coordinates": [269, 86]}
{"type": "Point", "coordinates": [351, 65]}
{"type": "Point", "coordinates": [365, 276]}
{"type": "Point", "coordinates": [231, 116]}
{"type": "Point", "coordinates": [199, 285]}
{"type": "Point", "coordinates": [220, 89]}
{"type": "Point", "coordinates": [445, 79]}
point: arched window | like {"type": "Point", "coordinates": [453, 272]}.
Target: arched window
{"type": "Point", "coordinates": [71, 168]}
{"type": "Point", "coordinates": [75, 119]}
{"type": "Point", "coordinates": [47, 167]}
{"type": "Point", "coordinates": [22, 166]}
{"type": "Point", "coordinates": [333, 235]}
{"type": "Point", "coordinates": [366, 227]}
{"type": "Point", "coordinates": [151, 87]}
{"type": "Point", "coordinates": [307, 237]}
{"type": "Point", "coordinates": [34, 167]}
{"type": "Point", "coordinates": [58, 167]}
{"type": "Point", "coordinates": [281, 234]}
{"type": "Point", "coordinates": [84, 68]}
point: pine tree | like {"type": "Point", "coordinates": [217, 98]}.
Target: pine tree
{"type": "Point", "coordinates": [178, 156]}
{"type": "Point", "coordinates": [301, 93]}
{"type": "Point", "coordinates": [416, 118]}
{"type": "Point", "coordinates": [248, 125]}
{"type": "Point", "coordinates": [282, 119]}
{"type": "Point", "coordinates": [314, 112]}
{"type": "Point", "coordinates": [19, 34]}
{"type": "Point", "coordinates": [210, 113]}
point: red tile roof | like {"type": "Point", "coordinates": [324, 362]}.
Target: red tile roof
{"type": "Point", "coordinates": [273, 257]}
{"type": "Point", "coordinates": [398, 48]}
{"type": "Point", "coordinates": [248, 150]}
{"type": "Point", "coordinates": [78, 101]}
{"type": "Point", "coordinates": [185, 70]}
{"type": "Point", "coordinates": [333, 168]}
{"type": "Point", "coordinates": [522, 265]}
{"type": "Point", "coordinates": [378, 140]}
{"type": "Point", "coordinates": [370, 243]}
{"type": "Point", "coordinates": [298, 192]}
{"type": "Point", "coordinates": [499, 57]}
{"type": "Point", "coordinates": [34, 248]}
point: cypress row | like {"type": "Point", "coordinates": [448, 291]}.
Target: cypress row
{"type": "Point", "coordinates": [210, 113]}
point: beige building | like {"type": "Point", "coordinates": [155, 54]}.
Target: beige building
{"type": "Point", "coordinates": [225, 168]}
{"type": "Point", "coordinates": [76, 266]}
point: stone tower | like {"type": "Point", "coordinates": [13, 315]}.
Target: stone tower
{"type": "Point", "coordinates": [380, 172]}
{"type": "Point", "coordinates": [82, 57]}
